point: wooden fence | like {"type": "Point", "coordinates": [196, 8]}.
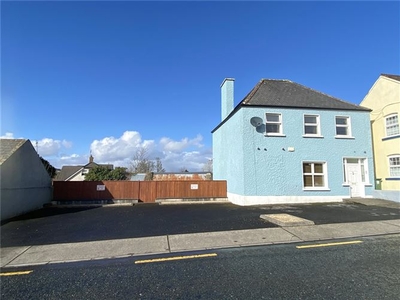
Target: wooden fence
{"type": "Point", "coordinates": [144, 191]}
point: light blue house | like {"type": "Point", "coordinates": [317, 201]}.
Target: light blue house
{"type": "Point", "coordinates": [286, 143]}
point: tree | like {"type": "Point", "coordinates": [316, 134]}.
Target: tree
{"type": "Point", "coordinates": [159, 166]}
{"type": "Point", "coordinates": [49, 168]}
{"type": "Point", "coordinates": [118, 174]}
{"type": "Point", "coordinates": [141, 163]}
{"type": "Point", "coordinates": [208, 166]}
{"type": "Point", "coordinates": [100, 173]}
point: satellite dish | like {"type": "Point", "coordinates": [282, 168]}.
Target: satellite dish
{"type": "Point", "coordinates": [256, 121]}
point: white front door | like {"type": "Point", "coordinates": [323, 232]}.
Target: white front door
{"type": "Point", "coordinates": [356, 186]}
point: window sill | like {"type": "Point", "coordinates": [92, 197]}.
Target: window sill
{"type": "Point", "coordinates": [312, 136]}
{"type": "Point", "coordinates": [344, 137]}
{"type": "Point", "coordinates": [348, 184]}
{"type": "Point", "coordinates": [393, 178]}
{"type": "Point", "coordinates": [275, 134]}
{"type": "Point", "coordinates": [391, 137]}
{"type": "Point", "coordinates": [316, 189]}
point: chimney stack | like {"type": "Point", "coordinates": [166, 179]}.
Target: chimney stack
{"type": "Point", "coordinates": [90, 158]}
{"type": "Point", "coordinates": [226, 97]}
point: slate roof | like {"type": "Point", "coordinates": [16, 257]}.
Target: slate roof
{"type": "Point", "coordinates": [286, 93]}
{"type": "Point", "coordinates": [8, 147]}
{"type": "Point", "coordinates": [395, 77]}
{"type": "Point", "coordinates": [66, 172]}
{"type": "Point", "coordinates": [93, 164]}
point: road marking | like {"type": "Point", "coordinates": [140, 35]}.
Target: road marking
{"type": "Point", "coordinates": [174, 258]}
{"type": "Point", "coordinates": [329, 244]}
{"type": "Point", "coordinates": [16, 273]}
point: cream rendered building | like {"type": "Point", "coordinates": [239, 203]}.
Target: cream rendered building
{"type": "Point", "coordinates": [384, 100]}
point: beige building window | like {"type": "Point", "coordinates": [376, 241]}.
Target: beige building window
{"type": "Point", "coordinates": [394, 166]}
{"type": "Point", "coordinates": [392, 125]}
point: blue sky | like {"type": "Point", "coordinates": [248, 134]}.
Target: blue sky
{"type": "Point", "coordinates": [109, 77]}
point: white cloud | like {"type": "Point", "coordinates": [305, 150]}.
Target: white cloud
{"type": "Point", "coordinates": [8, 135]}
{"type": "Point", "coordinates": [188, 153]}
{"type": "Point", "coordinates": [177, 146]}
{"type": "Point", "coordinates": [119, 149]}
{"type": "Point", "coordinates": [50, 147]}
{"type": "Point", "coordinates": [45, 146]}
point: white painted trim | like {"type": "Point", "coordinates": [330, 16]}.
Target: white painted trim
{"type": "Point", "coordinates": [280, 123]}
{"type": "Point", "coordinates": [348, 126]}
{"type": "Point", "coordinates": [318, 125]}
{"type": "Point", "coordinates": [313, 136]}
{"type": "Point", "coordinates": [259, 200]}
{"type": "Point", "coordinates": [344, 137]}
{"type": "Point", "coordinates": [389, 116]}
{"type": "Point", "coordinates": [274, 134]}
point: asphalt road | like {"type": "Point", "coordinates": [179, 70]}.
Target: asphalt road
{"type": "Point", "coordinates": [71, 225]}
{"type": "Point", "coordinates": [367, 269]}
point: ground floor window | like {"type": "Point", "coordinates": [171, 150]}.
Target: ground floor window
{"type": "Point", "coordinates": [314, 175]}
{"type": "Point", "coordinates": [394, 166]}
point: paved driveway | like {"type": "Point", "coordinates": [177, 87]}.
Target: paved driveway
{"type": "Point", "coordinates": [70, 225]}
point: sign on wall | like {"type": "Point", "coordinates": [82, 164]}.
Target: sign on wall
{"type": "Point", "coordinates": [194, 186]}
{"type": "Point", "coordinates": [101, 187]}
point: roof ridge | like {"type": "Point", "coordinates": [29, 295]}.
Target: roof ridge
{"type": "Point", "coordinates": [391, 76]}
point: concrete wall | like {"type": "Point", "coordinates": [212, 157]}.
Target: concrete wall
{"type": "Point", "coordinates": [387, 195]}
{"type": "Point", "coordinates": [383, 99]}
{"type": "Point", "coordinates": [228, 154]}
{"type": "Point", "coordinates": [259, 169]}
{"type": "Point", "coordinates": [25, 184]}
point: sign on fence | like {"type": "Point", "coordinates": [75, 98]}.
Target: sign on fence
{"type": "Point", "coordinates": [101, 187]}
{"type": "Point", "coordinates": [194, 186]}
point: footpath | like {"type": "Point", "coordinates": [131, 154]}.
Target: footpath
{"type": "Point", "coordinates": [291, 230]}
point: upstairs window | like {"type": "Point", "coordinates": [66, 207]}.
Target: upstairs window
{"type": "Point", "coordinates": [311, 125]}
{"type": "Point", "coordinates": [392, 125]}
{"type": "Point", "coordinates": [274, 124]}
{"type": "Point", "coordinates": [394, 166]}
{"type": "Point", "coordinates": [343, 126]}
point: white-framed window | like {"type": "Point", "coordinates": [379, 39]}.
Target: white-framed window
{"type": "Point", "coordinates": [273, 124]}
{"type": "Point", "coordinates": [394, 166]}
{"type": "Point", "coordinates": [315, 175]}
{"type": "Point", "coordinates": [362, 166]}
{"type": "Point", "coordinates": [392, 125]}
{"type": "Point", "coordinates": [312, 125]}
{"type": "Point", "coordinates": [343, 126]}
